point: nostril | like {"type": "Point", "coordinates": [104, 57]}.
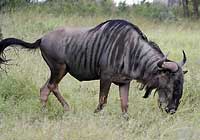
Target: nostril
{"type": "Point", "coordinates": [172, 111]}
{"type": "Point", "coordinates": [167, 109]}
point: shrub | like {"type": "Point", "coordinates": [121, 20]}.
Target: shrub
{"type": "Point", "coordinates": [93, 8]}
{"type": "Point", "coordinates": [154, 11]}
{"type": "Point", "coordinates": [16, 88]}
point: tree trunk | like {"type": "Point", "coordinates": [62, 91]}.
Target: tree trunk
{"type": "Point", "coordinates": [169, 3]}
{"type": "Point", "coordinates": [195, 8]}
{"type": "Point", "coordinates": [185, 8]}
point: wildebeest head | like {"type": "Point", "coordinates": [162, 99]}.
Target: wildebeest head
{"type": "Point", "coordinates": [168, 82]}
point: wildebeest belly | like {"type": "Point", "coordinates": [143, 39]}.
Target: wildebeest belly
{"type": "Point", "coordinates": [83, 74]}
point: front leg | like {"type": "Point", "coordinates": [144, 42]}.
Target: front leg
{"type": "Point", "coordinates": [103, 94]}
{"type": "Point", "coordinates": [123, 92]}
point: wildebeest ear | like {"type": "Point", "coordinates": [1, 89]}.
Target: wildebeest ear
{"type": "Point", "coordinates": [185, 71]}
{"type": "Point", "coordinates": [160, 63]}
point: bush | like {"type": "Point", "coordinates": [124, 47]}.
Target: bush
{"type": "Point", "coordinates": [64, 7]}
{"type": "Point", "coordinates": [154, 11]}
{"type": "Point", "coordinates": [81, 7]}
{"type": "Point", "coordinates": [16, 88]}
{"type": "Point", "coordinates": [12, 3]}
{"type": "Point", "coordinates": [94, 8]}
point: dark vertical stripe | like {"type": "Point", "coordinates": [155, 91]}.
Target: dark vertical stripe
{"type": "Point", "coordinates": [136, 58]}
{"type": "Point", "coordinates": [102, 48]}
{"type": "Point", "coordinates": [121, 44]}
{"type": "Point", "coordinates": [131, 46]}
{"type": "Point", "coordinates": [98, 50]}
{"type": "Point", "coordinates": [134, 52]}
{"type": "Point", "coordinates": [81, 51]}
{"type": "Point", "coordinates": [93, 45]}
{"type": "Point", "coordinates": [143, 67]}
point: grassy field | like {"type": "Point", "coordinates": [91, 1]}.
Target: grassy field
{"type": "Point", "coordinates": [21, 117]}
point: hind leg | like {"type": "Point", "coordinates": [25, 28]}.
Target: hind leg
{"type": "Point", "coordinates": [58, 71]}
{"type": "Point", "coordinates": [52, 86]}
{"type": "Point", "coordinates": [56, 76]}
{"type": "Point", "coordinates": [44, 93]}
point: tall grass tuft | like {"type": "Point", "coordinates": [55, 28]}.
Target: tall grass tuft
{"type": "Point", "coordinates": [21, 117]}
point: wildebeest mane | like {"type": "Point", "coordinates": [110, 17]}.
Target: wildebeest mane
{"type": "Point", "coordinates": [122, 23]}
{"type": "Point", "coordinates": [155, 46]}
{"type": "Point", "coordinates": [119, 23]}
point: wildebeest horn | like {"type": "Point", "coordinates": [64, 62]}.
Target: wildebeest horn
{"type": "Point", "coordinates": [167, 65]}
{"type": "Point", "coordinates": [170, 66]}
{"type": "Point", "coordinates": [184, 59]}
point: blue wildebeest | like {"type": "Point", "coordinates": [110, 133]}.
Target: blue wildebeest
{"type": "Point", "coordinates": [115, 51]}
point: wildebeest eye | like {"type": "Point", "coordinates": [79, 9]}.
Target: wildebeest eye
{"type": "Point", "coordinates": [167, 72]}
{"type": "Point", "coordinates": [164, 71]}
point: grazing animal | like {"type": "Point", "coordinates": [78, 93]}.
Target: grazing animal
{"type": "Point", "coordinates": [115, 51]}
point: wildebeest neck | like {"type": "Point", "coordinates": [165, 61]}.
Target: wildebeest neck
{"type": "Point", "coordinates": [144, 57]}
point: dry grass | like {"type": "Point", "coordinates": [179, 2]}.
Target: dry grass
{"type": "Point", "coordinates": [22, 119]}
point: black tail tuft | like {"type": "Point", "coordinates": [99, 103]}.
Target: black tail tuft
{"type": "Point", "coordinates": [13, 41]}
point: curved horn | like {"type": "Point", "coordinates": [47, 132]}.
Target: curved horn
{"type": "Point", "coordinates": [184, 59]}
{"type": "Point", "coordinates": [170, 66]}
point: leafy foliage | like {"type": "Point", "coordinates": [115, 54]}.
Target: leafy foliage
{"type": "Point", "coordinates": [96, 7]}
{"type": "Point", "coordinates": [12, 3]}
{"type": "Point", "coordinates": [155, 11]}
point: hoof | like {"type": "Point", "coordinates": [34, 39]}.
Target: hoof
{"type": "Point", "coordinates": [44, 109]}
{"type": "Point", "coordinates": [66, 108]}
{"type": "Point", "coordinates": [125, 116]}
{"type": "Point", "coordinates": [97, 110]}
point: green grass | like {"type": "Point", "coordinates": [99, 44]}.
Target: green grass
{"type": "Point", "coordinates": [21, 117]}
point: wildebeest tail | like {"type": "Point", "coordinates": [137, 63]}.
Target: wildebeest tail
{"type": "Point", "coordinates": [14, 41]}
